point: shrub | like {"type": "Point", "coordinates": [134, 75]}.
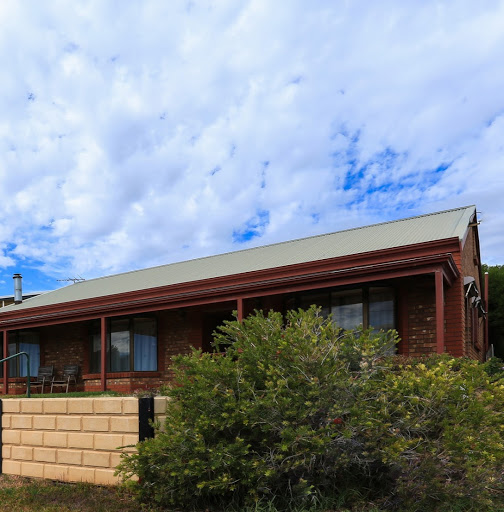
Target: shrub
{"type": "Point", "coordinates": [299, 411]}
{"type": "Point", "coordinates": [440, 422]}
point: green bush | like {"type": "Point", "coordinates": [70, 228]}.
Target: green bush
{"type": "Point", "coordinates": [298, 411]}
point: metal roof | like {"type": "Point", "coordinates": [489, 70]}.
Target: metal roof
{"type": "Point", "coordinates": [399, 233]}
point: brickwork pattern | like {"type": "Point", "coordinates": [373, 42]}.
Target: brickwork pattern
{"type": "Point", "coordinates": [70, 439]}
{"type": "Point", "coordinates": [65, 344]}
{"type": "Point", "coordinates": [471, 267]}
{"type": "Point", "coordinates": [421, 318]}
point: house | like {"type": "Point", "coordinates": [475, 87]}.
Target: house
{"type": "Point", "coordinates": [6, 300]}
{"type": "Point", "coordinates": [419, 275]}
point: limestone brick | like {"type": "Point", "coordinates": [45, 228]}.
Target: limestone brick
{"type": "Point", "coordinates": [22, 421]}
{"type": "Point", "coordinates": [160, 403]}
{"type": "Point", "coordinates": [32, 405]}
{"type": "Point", "coordinates": [11, 467]}
{"type": "Point", "coordinates": [130, 440]}
{"type": "Point", "coordinates": [56, 472]}
{"type": "Point", "coordinates": [108, 405]}
{"type": "Point", "coordinates": [6, 421]}
{"type": "Point", "coordinates": [11, 405]}
{"type": "Point", "coordinates": [6, 452]}
{"type": "Point", "coordinates": [130, 406]}
{"type": "Point", "coordinates": [32, 469]}
{"type": "Point", "coordinates": [79, 474]}
{"type": "Point", "coordinates": [73, 457]}
{"type": "Point", "coordinates": [108, 442]}
{"type": "Point", "coordinates": [161, 420]}
{"type": "Point", "coordinates": [45, 422]}
{"type": "Point", "coordinates": [124, 424]}
{"type": "Point", "coordinates": [115, 458]}
{"type": "Point", "coordinates": [22, 453]}
{"type": "Point", "coordinates": [95, 424]}
{"type": "Point", "coordinates": [57, 439]}
{"type": "Point", "coordinates": [78, 440]}
{"type": "Point", "coordinates": [96, 459]}
{"type": "Point", "coordinates": [44, 454]}
{"type": "Point", "coordinates": [11, 437]}
{"type": "Point", "coordinates": [55, 405]}
{"type": "Point", "coordinates": [68, 422]}
{"type": "Point", "coordinates": [32, 438]}
{"type": "Point", "coordinates": [80, 406]}
{"type": "Point", "coordinates": [105, 477]}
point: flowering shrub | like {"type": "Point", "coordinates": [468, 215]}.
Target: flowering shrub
{"type": "Point", "coordinates": [299, 410]}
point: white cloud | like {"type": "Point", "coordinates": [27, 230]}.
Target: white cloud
{"type": "Point", "coordinates": [139, 133]}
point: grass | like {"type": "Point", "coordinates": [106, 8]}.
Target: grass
{"type": "Point", "coordinates": [78, 394]}
{"type": "Point", "coordinates": [18, 494]}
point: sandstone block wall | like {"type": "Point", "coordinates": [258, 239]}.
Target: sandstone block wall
{"type": "Point", "coordinates": [70, 439]}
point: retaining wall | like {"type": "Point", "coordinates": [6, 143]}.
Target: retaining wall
{"type": "Point", "coordinates": [71, 439]}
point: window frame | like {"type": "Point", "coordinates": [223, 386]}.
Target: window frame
{"type": "Point", "coordinates": [302, 300]}
{"type": "Point", "coordinates": [16, 362]}
{"type": "Point", "coordinates": [95, 333]}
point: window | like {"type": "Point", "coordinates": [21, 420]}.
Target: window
{"type": "Point", "coordinates": [24, 341]}
{"type": "Point", "coordinates": [381, 309]}
{"type": "Point", "coordinates": [369, 307]}
{"type": "Point", "coordinates": [95, 348]}
{"type": "Point", "coordinates": [131, 345]}
{"type": "Point", "coordinates": [347, 308]}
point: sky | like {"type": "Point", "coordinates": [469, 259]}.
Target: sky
{"type": "Point", "coordinates": [135, 133]}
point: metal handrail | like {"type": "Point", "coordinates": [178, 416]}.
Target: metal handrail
{"type": "Point", "coordinates": [28, 391]}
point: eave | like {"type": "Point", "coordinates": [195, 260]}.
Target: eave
{"type": "Point", "coordinates": [393, 263]}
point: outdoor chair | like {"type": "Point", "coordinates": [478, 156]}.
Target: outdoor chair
{"type": "Point", "coordinates": [70, 373]}
{"type": "Point", "coordinates": [45, 376]}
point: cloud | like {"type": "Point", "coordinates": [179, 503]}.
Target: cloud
{"type": "Point", "coordinates": [140, 133]}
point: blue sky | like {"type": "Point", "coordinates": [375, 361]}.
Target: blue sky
{"type": "Point", "coordinates": [137, 133]}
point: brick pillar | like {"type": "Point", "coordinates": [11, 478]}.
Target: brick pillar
{"type": "Point", "coordinates": [240, 309]}
{"type": "Point", "coordinates": [5, 364]}
{"type": "Point", "coordinates": [103, 331]}
{"type": "Point", "coordinates": [440, 348]}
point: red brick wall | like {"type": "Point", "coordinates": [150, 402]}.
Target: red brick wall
{"type": "Point", "coordinates": [65, 344]}
{"type": "Point", "coordinates": [419, 327]}
{"type": "Point", "coordinates": [470, 266]}
{"type": "Point", "coordinates": [178, 330]}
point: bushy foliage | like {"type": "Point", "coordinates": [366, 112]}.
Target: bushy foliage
{"type": "Point", "coordinates": [298, 410]}
{"type": "Point", "coordinates": [496, 306]}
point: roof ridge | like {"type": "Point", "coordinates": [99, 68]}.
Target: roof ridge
{"type": "Point", "coordinates": [271, 245]}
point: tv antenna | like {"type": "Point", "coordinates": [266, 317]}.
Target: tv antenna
{"type": "Point", "coordinates": [77, 279]}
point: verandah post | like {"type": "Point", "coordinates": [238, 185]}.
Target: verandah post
{"type": "Point", "coordinates": [5, 365]}
{"type": "Point", "coordinates": [240, 309]}
{"type": "Point", "coordinates": [103, 354]}
{"type": "Point", "coordinates": [440, 348]}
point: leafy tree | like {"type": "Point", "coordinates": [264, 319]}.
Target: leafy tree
{"type": "Point", "coordinates": [496, 307]}
{"type": "Point", "coordinates": [298, 411]}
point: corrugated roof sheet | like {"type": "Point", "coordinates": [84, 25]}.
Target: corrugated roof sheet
{"type": "Point", "coordinates": [414, 230]}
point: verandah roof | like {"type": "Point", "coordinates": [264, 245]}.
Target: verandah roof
{"type": "Point", "coordinates": [415, 230]}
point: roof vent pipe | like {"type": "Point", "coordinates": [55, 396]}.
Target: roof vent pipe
{"type": "Point", "coordinates": [18, 288]}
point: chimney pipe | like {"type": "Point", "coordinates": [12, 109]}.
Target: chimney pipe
{"type": "Point", "coordinates": [18, 288]}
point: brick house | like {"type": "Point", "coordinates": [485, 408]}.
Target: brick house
{"type": "Point", "coordinates": [419, 275]}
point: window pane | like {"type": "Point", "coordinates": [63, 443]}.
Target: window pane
{"type": "Point", "coordinates": [13, 365]}
{"type": "Point", "coordinates": [319, 299]}
{"type": "Point", "coordinates": [119, 345]}
{"type": "Point", "coordinates": [347, 308]}
{"type": "Point", "coordinates": [24, 341]}
{"type": "Point", "coordinates": [381, 309]}
{"type": "Point", "coordinates": [33, 350]}
{"type": "Point", "coordinates": [145, 341]}
{"type": "Point", "coordinates": [95, 356]}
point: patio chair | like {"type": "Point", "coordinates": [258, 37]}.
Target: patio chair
{"type": "Point", "coordinates": [44, 376]}
{"type": "Point", "coordinates": [70, 373]}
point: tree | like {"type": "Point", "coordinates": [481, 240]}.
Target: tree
{"type": "Point", "coordinates": [299, 412]}
{"type": "Point", "coordinates": [496, 307]}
